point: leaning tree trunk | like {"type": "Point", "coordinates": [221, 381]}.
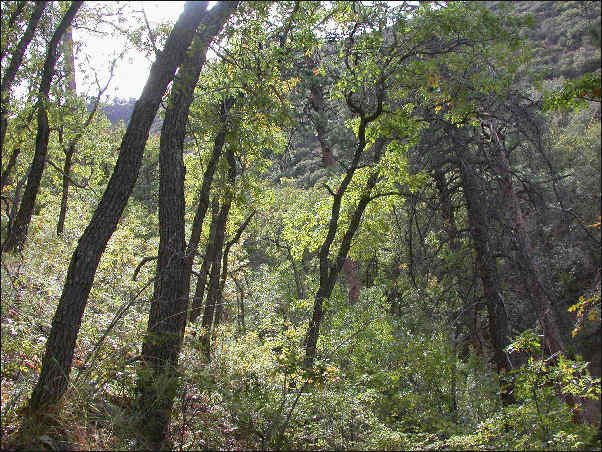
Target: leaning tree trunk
{"type": "Point", "coordinates": [488, 272]}
{"type": "Point", "coordinates": [71, 89]}
{"type": "Point", "coordinates": [18, 234]}
{"type": "Point", "coordinates": [56, 364]}
{"type": "Point", "coordinates": [214, 277]}
{"type": "Point", "coordinates": [167, 318]}
{"type": "Point", "coordinates": [199, 293]}
{"type": "Point", "coordinates": [530, 270]}
{"type": "Point", "coordinates": [531, 273]}
{"type": "Point", "coordinates": [203, 203]}
{"type": "Point", "coordinates": [15, 63]}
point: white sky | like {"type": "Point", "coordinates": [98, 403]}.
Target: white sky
{"type": "Point", "coordinates": [132, 71]}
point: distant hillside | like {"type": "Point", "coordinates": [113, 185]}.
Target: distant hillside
{"type": "Point", "coordinates": [562, 36]}
{"type": "Point", "coordinates": [121, 110]}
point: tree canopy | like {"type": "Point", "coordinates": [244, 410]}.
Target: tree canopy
{"type": "Point", "coordinates": [322, 225]}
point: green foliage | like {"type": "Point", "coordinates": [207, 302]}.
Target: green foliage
{"type": "Point", "coordinates": [400, 368]}
{"type": "Point", "coordinates": [574, 93]}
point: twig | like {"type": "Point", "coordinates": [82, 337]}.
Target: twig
{"type": "Point", "coordinates": [142, 262]}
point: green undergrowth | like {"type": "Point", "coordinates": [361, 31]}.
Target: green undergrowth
{"type": "Point", "coordinates": [378, 384]}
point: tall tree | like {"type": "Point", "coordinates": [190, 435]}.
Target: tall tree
{"type": "Point", "coordinates": [8, 77]}
{"type": "Point", "coordinates": [18, 231]}
{"type": "Point", "coordinates": [56, 364]}
{"type": "Point", "coordinates": [167, 318]}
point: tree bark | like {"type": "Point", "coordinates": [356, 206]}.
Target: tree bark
{"type": "Point", "coordinates": [167, 318]}
{"type": "Point", "coordinates": [4, 177]}
{"type": "Point", "coordinates": [71, 89]}
{"type": "Point", "coordinates": [203, 205]}
{"type": "Point", "coordinates": [213, 289]}
{"type": "Point", "coordinates": [224, 274]}
{"type": "Point", "coordinates": [488, 272]}
{"type": "Point", "coordinates": [329, 271]}
{"type": "Point", "coordinates": [530, 270]}
{"type": "Point", "coordinates": [15, 63]}
{"type": "Point", "coordinates": [21, 224]}
{"type": "Point", "coordinates": [209, 257]}
{"type": "Point", "coordinates": [56, 364]}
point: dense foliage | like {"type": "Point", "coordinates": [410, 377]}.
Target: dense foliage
{"type": "Point", "coordinates": [399, 247]}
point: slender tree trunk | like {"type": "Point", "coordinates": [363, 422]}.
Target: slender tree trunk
{"type": "Point", "coordinates": [167, 318]}
{"type": "Point", "coordinates": [213, 285]}
{"type": "Point", "coordinates": [203, 204]}
{"type": "Point", "coordinates": [530, 269]}
{"type": "Point", "coordinates": [15, 63]}
{"type": "Point", "coordinates": [329, 271]}
{"type": "Point", "coordinates": [21, 224]}
{"type": "Point", "coordinates": [213, 291]}
{"type": "Point", "coordinates": [4, 178]}
{"type": "Point", "coordinates": [60, 225]}
{"type": "Point", "coordinates": [449, 224]}
{"type": "Point", "coordinates": [56, 364]}
{"type": "Point", "coordinates": [224, 274]}
{"type": "Point", "coordinates": [488, 272]}
{"type": "Point", "coordinates": [71, 90]}
{"type": "Point", "coordinates": [241, 305]}
{"type": "Point", "coordinates": [209, 257]}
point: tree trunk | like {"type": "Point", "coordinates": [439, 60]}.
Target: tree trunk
{"type": "Point", "coordinates": [15, 63]}
{"type": "Point", "coordinates": [19, 229]}
{"type": "Point", "coordinates": [488, 272]}
{"type": "Point", "coordinates": [203, 204]}
{"type": "Point", "coordinates": [56, 364]}
{"type": "Point", "coordinates": [4, 177]}
{"type": "Point", "coordinates": [167, 318]}
{"type": "Point", "coordinates": [330, 271]}
{"type": "Point", "coordinates": [213, 290]}
{"type": "Point", "coordinates": [71, 90]}
{"type": "Point", "coordinates": [19, 7]}
{"type": "Point", "coordinates": [199, 292]}
{"type": "Point", "coordinates": [241, 305]}
{"type": "Point", "coordinates": [530, 270]}
{"type": "Point", "coordinates": [224, 274]}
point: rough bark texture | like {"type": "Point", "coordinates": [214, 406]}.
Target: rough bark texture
{"type": "Point", "coordinates": [15, 63]}
{"type": "Point", "coordinates": [167, 319]}
{"type": "Point", "coordinates": [18, 234]}
{"type": "Point", "coordinates": [213, 290]}
{"type": "Point", "coordinates": [203, 203]}
{"type": "Point", "coordinates": [69, 56]}
{"type": "Point", "coordinates": [199, 292]}
{"type": "Point", "coordinates": [56, 364]}
{"type": "Point", "coordinates": [488, 272]}
{"type": "Point", "coordinates": [530, 271]}
{"type": "Point", "coordinates": [531, 275]}
{"type": "Point", "coordinates": [224, 274]}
